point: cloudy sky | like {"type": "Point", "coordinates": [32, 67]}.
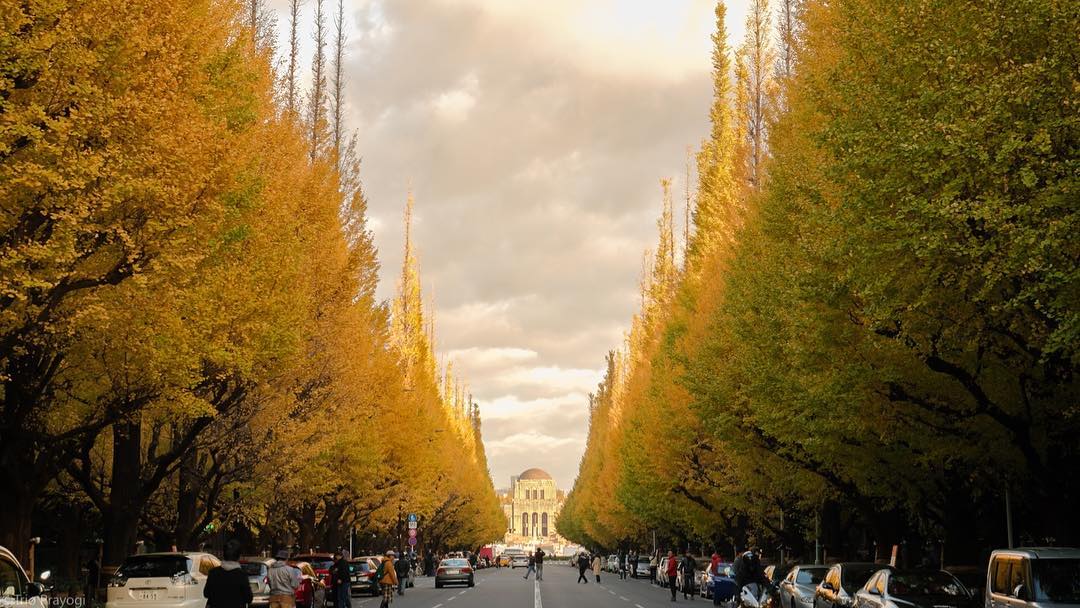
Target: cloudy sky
{"type": "Point", "coordinates": [533, 134]}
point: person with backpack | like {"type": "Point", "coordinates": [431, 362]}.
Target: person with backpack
{"type": "Point", "coordinates": [387, 577]}
{"type": "Point", "coordinates": [227, 585]}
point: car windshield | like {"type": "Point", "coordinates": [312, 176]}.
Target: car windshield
{"type": "Point", "coordinates": [810, 576]}
{"type": "Point", "coordinates": [359, 566]}
{"type": "Point", "coordinates": [154, 566]}
{"type": "Point", "coordinates": [726, 570]}
{"type": "Point", "coordinates": [321, 563]}
{"type": "Point", "coordinates": [925, 583]}
{"type": "Point", "coordinates": [1057, 580]}
{"type": "Point", "coordinates": [854, 577]}
{"type": "Point", "coordinates": [253, 568]}
{"type": "Point", "coordinates": [454, 563]}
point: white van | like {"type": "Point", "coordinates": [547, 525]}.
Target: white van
{"type": "Point", "coordinates": [161, 580]}
{"type": "Point", "coordinates": [16, 589]}
{"type": "Point", "coordinates": [1033, 578]}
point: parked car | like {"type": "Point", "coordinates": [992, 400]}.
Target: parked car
{"type": "Point", "coordinates": [362, 576]}
{"type": "Point", "coordinates": [661, 572]}
{"type": "Point", "coordinates": [1033, 578]}
{"type": "Point", "coordinates": [700, 564]}
{"type": "Point", "coordinates": [913, 589]}
{"type": "Point", "coordinates": [454, 571]}
{"type": "Point", "coordinates": [837, 589]}
{"type": "Point", "coordinates": [16, 588]}
{"type": "Point", "coordinates": [724, 580]}
{"type": "Point", "coordinates": [503, 560]}
{"type": "Point", "coordinates": [173, 580]}
{"type": "Point", "coordinates": [612, 563]}
{"type": "Point", "coordinates": [797, 588]}
{"type": "Point", "coordinates": [312, 592]}
{"type": "Point", "coordinates": [640, 568]}
{"type": "Point", "coordinates": [321, 564]}
{"type": "Point", "coordinates": [257, 570]}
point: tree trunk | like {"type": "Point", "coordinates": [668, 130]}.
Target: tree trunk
{"type": "Point", "coordinates": [187, 498]}
{"type": "Point", "coordinates": [16, 511]}
{"type": "Point", "coordinates": [306, 524]}
{"type": "Point", "coordinates": [121, 517]}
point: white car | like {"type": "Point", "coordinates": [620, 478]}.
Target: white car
{"type": "Point", "coordinates": [519, 560]}
{"type": "Point", "coordinates": [161, 580]}
{"type": "Point", "coordinates": [16, 589]}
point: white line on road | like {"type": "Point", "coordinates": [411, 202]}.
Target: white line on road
{"type": "Point", "coordinates": [452, 599]}
{"type": "Point", "coordinates": [624, 598]}
{"type": "Point", "coordinates": [536, 595]}
{"type": "Point", "coordinates": [611, 592]}
{"type": "Point", "coordinates": [437, 606]}
{"type": "Point", "coordinates": [461, 593]}
{"type": "Point", "coordinates": [639, 606]}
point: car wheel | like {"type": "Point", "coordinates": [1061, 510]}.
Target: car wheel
{"type": "Point", "coordinates": [438, 585]}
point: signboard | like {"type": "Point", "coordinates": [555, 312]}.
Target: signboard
{"type": "Point", "coordinates": [412, 533]}
{"type": "Point", "coordinates": [412, 541]}
{"type": "Point", "coordinates": [412, 525]}
{"type": "Point", "coordinates": [412, 517]}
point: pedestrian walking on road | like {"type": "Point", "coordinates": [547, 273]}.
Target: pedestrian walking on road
{"type": "Point", "coordinates": [597, 567]}
{"type": "Point", "coordinates": [538, 557]}
{"type": "Point", "coordinates": [532, 566]}
{"type": "Point", "coordinates": [341, 579]}
{"type": "Point", "coordinates": [672, 572]}
{"type": "Point", "coordinates": [227, 585]}
{"type": "Point", "coordinates": [654, 563]}
{"type": "Point", "coordinates": [583, 565]}
{"type": "Point", "coordinates": [283, 579]}
{"type": "Point", "coordinates": [688, 566]}
{"type": "Point", "coordinates": [401, 568]}
{"type": "Point", "coordinates": [387, 577]}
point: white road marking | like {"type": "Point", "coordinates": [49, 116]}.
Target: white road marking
{"type": "Point", "coordinates": [611, 592]}
{"type": "Point", "coordinates": [536, 595]}
{"type": "Point", "coordinates": [452, 599]}
{"type": "Point", "coordinates": [639, 606]}
{"type": "Point", "coordinates": [437, 606]}
{"type": "Point", "coordinates": [624, 598]}
{"type": "Point", "coordinates": [461, 592]}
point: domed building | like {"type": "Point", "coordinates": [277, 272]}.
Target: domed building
{"type": "Point", "coordinates": [531, 506]}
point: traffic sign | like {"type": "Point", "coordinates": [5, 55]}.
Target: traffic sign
{"type": "Point", "coordinates": [412, 517]}
{"type": "Point", "coordinates": [412, 525]}
{"type": "Point", "coordinates": [412, 533]}
{"type": "Point", "coordinates": [412, 541]}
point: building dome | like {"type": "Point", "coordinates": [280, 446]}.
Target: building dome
{"type": "Point", "coordinates": [534, 474]}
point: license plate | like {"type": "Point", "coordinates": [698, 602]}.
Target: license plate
{"type": "Point", "coordinates": [149, 596]}
{"type": "Point", "coordinates": [453, 571]}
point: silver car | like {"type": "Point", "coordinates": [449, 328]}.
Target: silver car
{"type": "Point", "coordinates": [797, 588]}
{"type": "Point", "coordinates": [1033, 578]}
{"type": "Point", "coordinates": [454, 571]}
{"type": "Point", "coordinates": [257, 570]}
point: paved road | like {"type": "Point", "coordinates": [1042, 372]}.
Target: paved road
{"type": "Point", "coordinates": [504, 588]}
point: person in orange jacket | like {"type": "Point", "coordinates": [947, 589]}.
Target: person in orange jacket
{"type": "Point", "coordinates": [387, 578]}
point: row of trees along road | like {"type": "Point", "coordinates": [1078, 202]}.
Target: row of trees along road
{"type": "Point", "coordinates": [873, 327]}
{"type": "Point", "coordinates": [190, 335]}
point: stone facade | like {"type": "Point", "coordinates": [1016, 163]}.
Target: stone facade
{"type": "Point", "coordinates": [531, 506]}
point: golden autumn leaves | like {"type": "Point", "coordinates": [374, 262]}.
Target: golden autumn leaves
{"type": "Point", "coordinates": [187, 311]}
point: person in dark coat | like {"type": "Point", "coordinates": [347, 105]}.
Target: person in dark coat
{"type": "Point", "coordinates": [583, 566]}
{"type": "Point", "coordinates": [401, 568]}
{"type": "Point", "coordinates": [341, 579]}
{"type": "Point", "coordinates": [688, 567]}
{"type": "Point", "coordinates": [227, 585]}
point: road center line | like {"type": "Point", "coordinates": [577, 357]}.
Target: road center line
{"type": "Point", "coordinates": [437, 606]}
{"type": "Point", "coordinates": [536, 595]}
{"type": "Point", "coordinates": [638, 606]}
